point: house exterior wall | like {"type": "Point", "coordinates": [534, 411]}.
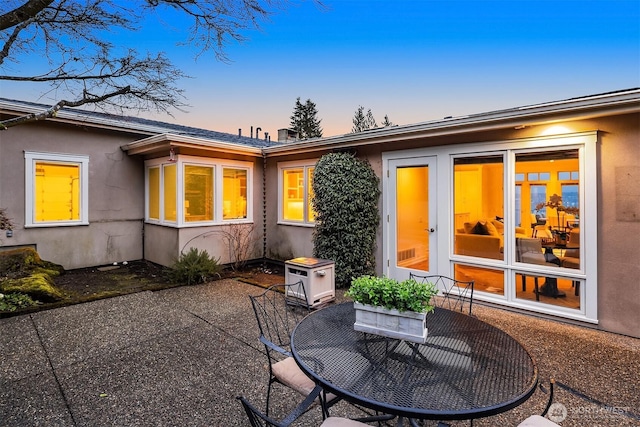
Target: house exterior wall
{"type": "Point", "coordinates": [618, 178]}
{"type": "Point", "coordinates": [116, 195]}
{"type": "Point", "coordinates": [228, 242]}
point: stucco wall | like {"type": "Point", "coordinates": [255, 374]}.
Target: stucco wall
{"type": "Point", "coordinates": [116, 197]}
{"type": "Point", "coordinates": [619, 226]}
{"type": "Point", "coordinates": [618, 177]}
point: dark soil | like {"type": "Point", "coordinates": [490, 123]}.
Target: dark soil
{"type": "Point", "coordinates": [136, 276]}
{"type": "Point", "coordinates": [88, 284]}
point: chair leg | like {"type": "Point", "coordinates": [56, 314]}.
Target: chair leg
{"type": "Point", "coordinates": [524, 283]}
{"type": "Point", "coordinates": [266, 411]}
{"type": "Point", "coordinates": [536, 290]}
{"type": "Point", "coordinates": [576, 284]}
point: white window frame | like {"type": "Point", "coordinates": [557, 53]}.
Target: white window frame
{"type": "Point", "coordinates": [586, 143]}
{"type": "Point", "coordinates": [31, 157]}
{"type": "Point", "coordinates": [305, 165]}
{"type": "Point", "coordinates": [218, 166]}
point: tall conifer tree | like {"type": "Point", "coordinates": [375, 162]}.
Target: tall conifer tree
{"type": "Point", "coordinates": [305, 120]}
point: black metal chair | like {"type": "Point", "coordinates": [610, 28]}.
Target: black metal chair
{"type": "Point", "coordinates": [278, 310]}
{"type": "Point", "coordinates": [258, 419]}
{"type": "Point", "coordinates": [598, 405]}
{"type": "Point", "coordinates": [454, 294]}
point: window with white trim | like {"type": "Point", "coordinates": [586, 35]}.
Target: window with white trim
{"type": "Point", "coordinates": [194, 191]}
{"type": "Point", "coordinates": [57, 189]}
{"type": "Point", "coordinates": [295, 192]}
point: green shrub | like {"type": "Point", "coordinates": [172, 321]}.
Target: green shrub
{"type": "Point", "coordinates": [345, 200]}
{"type": "Point", "coordinates": [194, 267]}
{"type": "Point", "coordinates": [14, 301]}
{"type": "Point", "coordinates": [408, 295]}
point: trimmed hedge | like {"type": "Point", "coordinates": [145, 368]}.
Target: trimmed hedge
{"type": "Point", "coordinates": [345, 198]}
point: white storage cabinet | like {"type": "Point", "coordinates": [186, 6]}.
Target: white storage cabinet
{"type": "Point", "coordinates": [318, 277]}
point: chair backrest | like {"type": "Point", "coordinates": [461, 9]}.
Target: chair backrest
{"type": "Point", "coordinates": [257, 418]}
{"type": "Point", "coordinates": [454, 294]}
{"type": "Point", "coordinates": [278, 310]}
{"type": "Point", "coordinates": [573, 243]}
{"type": "Point", "coordinates": [529, 250]}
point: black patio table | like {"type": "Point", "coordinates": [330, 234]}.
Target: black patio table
{"type": "Point", "coordinates": [467, 368]}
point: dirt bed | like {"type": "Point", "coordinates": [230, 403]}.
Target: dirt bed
{"type": "Point", "coordinates": [99, 282]}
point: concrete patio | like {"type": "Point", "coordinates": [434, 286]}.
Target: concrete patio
{"type": "Point", "coordinates": [181, 356]}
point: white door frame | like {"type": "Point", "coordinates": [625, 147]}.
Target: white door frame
{"type": "Point", "coordinates": [392, 161]}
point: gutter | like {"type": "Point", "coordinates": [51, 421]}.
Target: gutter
{"type": "Point", "coordinates": [578, 108]}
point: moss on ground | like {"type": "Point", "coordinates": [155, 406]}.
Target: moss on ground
{"type": "Point", "coordinates": [23, 271]}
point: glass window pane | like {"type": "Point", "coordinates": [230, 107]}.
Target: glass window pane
{"type": "Point", "coordinates": [293, 194]}
{"type": "Point", "coordinates": [486, 279]}
{"type": "Point", "coordinates": [234, 193]}
{"type": "Point", "coordinates": [198, 193]}
{"type": "Point", "coordinates": [575, 175]}
{"type": "Point", "coordinates": [478, 203]}
{"type": "Point", "coordinates": [564, 176]}
{"type": "Point", "coordinates": [57, 192]}
{"type": "Point", "coordinates": [154, 193]}
{"type": "Point", "coordinates": [558, 203]}
{"type": "Point", "coordinates": [519, 177]}
{"type": "Point", "coordinates": [170, 193]}
{"type": "Point", "coordinates": [412, 217]}
{"type": "Point", "coordinates": [538, 196]}
{"type": "Point", "coordinates": [311, 215]}
{"type": "Point", "coordinates": [545, 176]}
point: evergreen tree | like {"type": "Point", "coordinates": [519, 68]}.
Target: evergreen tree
{"type": "Point", "coordinates": [362, 122]}
{"type": "Point", "coordinates": [370, 122]}
{"type": "Point", "coordinates": [305, 120]}
{"type": "Point", "coordinates": [386, 122]}
{"type": "Point", "coordinates": [359, 121]}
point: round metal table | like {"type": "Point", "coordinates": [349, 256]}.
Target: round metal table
{"type": "Point", "coordinates": [467, 368]}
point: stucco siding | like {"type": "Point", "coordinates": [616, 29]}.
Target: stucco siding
{"type": "Point", "coordinates": [116, 195]}
{"type": "Point", "coordinates": [619, 225]}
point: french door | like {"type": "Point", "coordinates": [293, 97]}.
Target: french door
{"type": "Point", "coordinates": [411, 236]}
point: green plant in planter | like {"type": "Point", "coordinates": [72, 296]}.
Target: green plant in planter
{"type": "Point", "coordinates": [408, 295]}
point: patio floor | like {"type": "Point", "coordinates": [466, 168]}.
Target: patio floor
{"type": "Point", "coordinates": [180, 357]}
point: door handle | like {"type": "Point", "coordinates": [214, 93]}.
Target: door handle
{"type": "Point", "coordinates": [431, 230]}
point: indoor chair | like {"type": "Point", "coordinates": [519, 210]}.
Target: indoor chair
{"type": "Point", "coordinates": [529, 251]}
{"type": "Point", "coordinates": [278, 310]}
{"type": "Point", "coordinates": [571, 256]}
{"type": "Point", "coordinates": [454, 294]}
{"type": "Point", "coordinates": [538, 224]}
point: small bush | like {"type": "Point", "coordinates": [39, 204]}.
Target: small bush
{"type": "Point", "coordinates": [408, 295]}
{"type": "Point", "coordinates": [194, 267]}
{"type": "Point", "coordinates": [14, 301]}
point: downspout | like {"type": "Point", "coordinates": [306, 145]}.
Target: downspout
{"type": "Point", "coordinates": [264, 210]}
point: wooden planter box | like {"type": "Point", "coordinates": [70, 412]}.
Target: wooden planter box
{"type": "Point", "coordinates": [405, 325]}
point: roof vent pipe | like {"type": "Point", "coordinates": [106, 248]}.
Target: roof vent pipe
{"type": "Point", "coordinates": [266, 136]}
{"type": "Point", "coordinates": [240, 132]}
{"type": "Point", "coordinates": [258, 129]}
{"type": "Point", "coordinates": [251, 131]}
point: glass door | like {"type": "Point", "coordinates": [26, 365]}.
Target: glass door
{"type": "Point", "coordinates": [412, 225]}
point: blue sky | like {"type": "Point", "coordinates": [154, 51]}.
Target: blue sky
{"type": "Point", "coordinates": [412, 60]}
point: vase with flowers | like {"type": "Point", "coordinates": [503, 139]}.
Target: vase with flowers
{"type": "Point", "coordinates": [560, 233]}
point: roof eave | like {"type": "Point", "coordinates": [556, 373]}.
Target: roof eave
{"type": "Point", "coordinates": [165, 141]}
{"type": "Point", "coordinates": [581, 108]}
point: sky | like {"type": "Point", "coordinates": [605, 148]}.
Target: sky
{"type": "Point", "coordinates": [414, 61]}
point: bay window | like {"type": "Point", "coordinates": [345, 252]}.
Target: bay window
{"type": "Point", "coordinates": [192, 191]}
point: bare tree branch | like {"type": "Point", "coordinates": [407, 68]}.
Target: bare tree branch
{"type": "Point", "coordinates": [79, 64]}
{"type": "Point", "coordinates": [23, 13]}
